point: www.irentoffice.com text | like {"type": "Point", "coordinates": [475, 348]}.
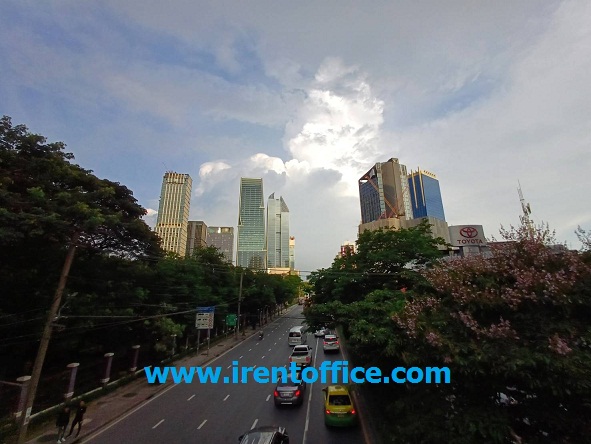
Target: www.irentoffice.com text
{"type": "Point", "coordinates": [340, 373]}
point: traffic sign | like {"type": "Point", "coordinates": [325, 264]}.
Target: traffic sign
{"type": "Point", "coordinates": [204, 318]}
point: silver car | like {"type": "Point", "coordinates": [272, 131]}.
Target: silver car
{"type": "Point", "coordinates": [331, 344]}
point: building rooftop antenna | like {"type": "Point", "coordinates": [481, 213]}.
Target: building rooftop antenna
{"type": "Point", "coordinates": [525, 208]}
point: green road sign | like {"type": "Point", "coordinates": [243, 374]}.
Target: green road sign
{"type": "Point", "coordinates": [231, 320]}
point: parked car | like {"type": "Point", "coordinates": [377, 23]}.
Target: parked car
{"type": "Point", "coordinates": [331, 344]}
{"type": "Point", "coordinates": [265, 435]}
{"type": "Point", "coordinates": [301, 355]}
{"type": "Point", "coordinates": [339, 410]}
{"type": "Point", "coordinates": [290, 393]}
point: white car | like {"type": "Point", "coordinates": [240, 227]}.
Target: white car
{"type": "Point", "coordinates": [331, 344]}
{"type": "Point", "coordinates": [320, 333]}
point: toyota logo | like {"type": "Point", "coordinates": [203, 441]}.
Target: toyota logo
{"type": "Point", "coordinates": [469, 232]}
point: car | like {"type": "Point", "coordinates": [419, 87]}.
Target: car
{"type": "Point", "coordinates": [301, 355]}
{"type": "Point", "coordinates": [265, 435]}
{"type": "Point", "coordinates": [320, 332]}
{"type": "Point", "coordinates": [290, 393]}
{"type": "Point", "coordinates": [339, 410]}
{"type": "Point", "coordinates": [331, 344]}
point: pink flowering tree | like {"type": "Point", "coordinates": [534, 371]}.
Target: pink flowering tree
{"type": "Point", "coordinates": [515, 330]}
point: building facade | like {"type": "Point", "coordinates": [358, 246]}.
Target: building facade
{"type": "Point", "coordinates": [425, 195]}
{"type": "Point", "coordinates": [196, 236]}
{"type": "Point", "coordinates": [173, 212]}
{"type": "Point", "coordinates": [277, 233]}
{"type": "Point", "coordinates": [250, 248]}
{"type": "Point", "coordinates": [383, 192]}
{"type": "Point", "coordinates": [223, 239]}
{"type": "Point", "coordinates": [291, 253]}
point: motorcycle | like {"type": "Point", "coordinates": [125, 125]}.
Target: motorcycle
{"type": "Point", "coordinates": [261, 334]}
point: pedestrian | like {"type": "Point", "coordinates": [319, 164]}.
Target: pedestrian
{"type": "Point", "coordinates": [78, 418]}
{"type": "Point", "coordinates": [63, 419]}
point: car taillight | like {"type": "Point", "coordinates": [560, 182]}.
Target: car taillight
{"type": "Point", "coordinates": [276, 394]}
{"type": "Point", "coordinates": [290, 359]}
{"type": "Point", "coordinates": [328, 412]}
{"type": "Point", "coordinates": [308, 358]}
{"type": "Point", "coordinates": [353, 412]}
{"type": "Point", "coordinates": [298, 393]}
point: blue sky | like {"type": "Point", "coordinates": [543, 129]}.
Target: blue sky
{"type": "Point", "coordinates": [308, 95]}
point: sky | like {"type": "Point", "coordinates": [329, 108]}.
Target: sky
{"type": "Point", "coordinates": [309, 95]}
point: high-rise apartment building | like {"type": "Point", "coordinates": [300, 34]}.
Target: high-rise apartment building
{"type": "Point", "coordinates": [173, 212]}
{"type": "Point", "coordinates": [196, 236]}
{"type": "Point", "coordinates": [383, 192]}
{"type": "Point", "coordinates": [277, 233]}
{"type": "Point", "coordinates": [250, 249]}
{"type": "Point", "coordinates": [223, 239]}
{"type": "Point", "coordinates": [425, 195]}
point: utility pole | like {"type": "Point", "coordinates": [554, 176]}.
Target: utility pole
{"type": "Point", "coordinates": [239, 300]}
{"type": "Point", "coordinates": [44, 341]}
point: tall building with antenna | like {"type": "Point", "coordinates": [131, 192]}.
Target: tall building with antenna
{"type": "Point", "coordinates": [173, 212]}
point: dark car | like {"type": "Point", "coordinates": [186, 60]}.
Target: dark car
{"type": "Point", "coordinates": [290, 393]}
{"type": "Point", "coordinates": [265, 435]}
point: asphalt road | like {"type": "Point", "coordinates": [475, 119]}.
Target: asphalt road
{"type": "Point", "coordinates": [220, 413]}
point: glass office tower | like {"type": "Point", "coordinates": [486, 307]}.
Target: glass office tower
{"type": "Point", "coordinates": [277, 233]}
{"type": "Point", "coordinates": [383, 192]}
{"type": "Point", "coordinates": [250, 249]}
{"type": "Point", "coordinates": [425, 195]}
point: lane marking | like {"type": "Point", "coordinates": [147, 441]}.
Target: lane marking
{"type": "Point", "coordinates": [229, 366]}
{"type": "Point", "coordinates": [159, 422]}
{"type": "Point", "coordinates": [202, 424]}
{"type": "Point", "coordinates": [268, 397]}
{"type": "Point", "coordinates": [227, 396]}
{"type": "Point", "coordinates": [191, 397]}
{"type": "Point", "coordinates": [306, 427]}
{"type": "Point", "coordinates": [250, 349]}
{"type": "Point", "coordinates": [263, 357]}
{"type": "Point", "coordinates": [241, 357]}
{"type": "Point", "coordinates": [254, 424]}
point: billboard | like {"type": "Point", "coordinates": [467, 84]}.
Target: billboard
{"type": "Point", "coordinates": [465, 235]}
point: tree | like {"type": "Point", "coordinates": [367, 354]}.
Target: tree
{"type": "Point", "coordinates": [45, 198]}
{"type": "Point", "coordinates": [514, 330]}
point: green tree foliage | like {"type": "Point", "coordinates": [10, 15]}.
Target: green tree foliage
{"type": "Point", "coordinates": [513, 329]}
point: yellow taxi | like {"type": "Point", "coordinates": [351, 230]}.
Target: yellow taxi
{"type": "Point", "coordinates": [339, 410]}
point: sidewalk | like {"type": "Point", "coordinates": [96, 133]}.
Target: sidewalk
{"type": "Point", "coordinates": [106, 409]}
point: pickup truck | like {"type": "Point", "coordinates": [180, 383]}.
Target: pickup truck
{"type": "Point", "coordinates": [301, 355]}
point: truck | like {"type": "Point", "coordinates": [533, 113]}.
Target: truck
{"type": "Point", "coordinates": [301, 355]}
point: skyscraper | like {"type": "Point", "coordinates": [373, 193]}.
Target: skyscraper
{"type": "Point", "coordinates": [425, 195]}
{"type": "Point", "coordinates": [277, 233]}
{"type": "Point", "coordinates": [173, 212]}
{"type": "Point", "coordinates": [251, 225]}
{"type": "Point", "coordinates": [383, 192]}
{"type": "Point", "coordinates": [223, 239]}
{"type": "Point", "coordinates": [196, 235]}
{"type": "Point", "coordinates": [291, 253]}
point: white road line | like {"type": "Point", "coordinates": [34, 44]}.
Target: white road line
{"type": "Point", "coordinates": [159, 422]}
{"type": "Point", "coordinates": [269, 349]}
{"type": "Point", "coordinates": [250, 349]}
{"type": "Point", "coordinates": [268, 397]}
{"type": "Point", "coordinates": [263, 357]}
{"type": "Point", "coordinates": [254, 424]}
{"type": "Point", "coordinates": [192, 396]}
{"type": "Point", "coordinates": [255, 366]}
{"type": "Point", "coordinates": [309, 402]}
{"type": "Point", "coordinates": [103, 430]}
{"type": "Point", "coordinates": [229, 366]}
{"type": "Point", "coordinates": [240, 357]}
{"type": "Point", "coordinates": [202, 424]}
{"type": "Point", "coordinates": [227, 396]}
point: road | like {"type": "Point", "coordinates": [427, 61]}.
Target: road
{"type": "Point", "coordinates": [218, 413]}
